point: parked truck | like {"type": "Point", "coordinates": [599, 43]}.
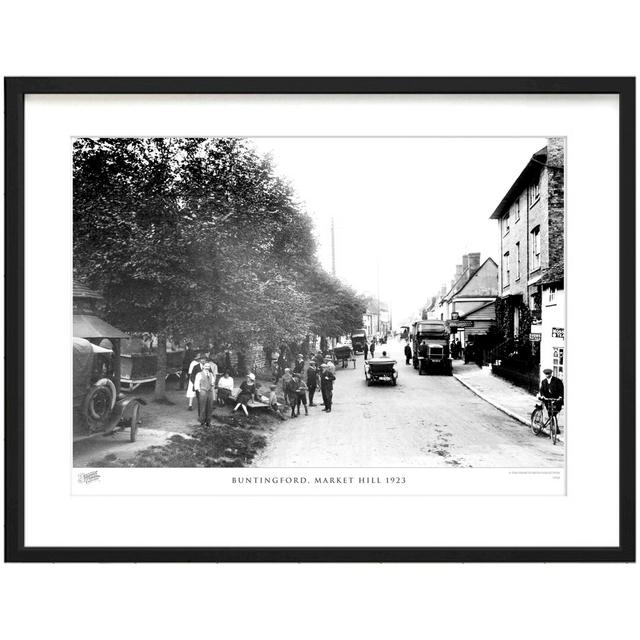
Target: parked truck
{"type": "Point", "coordinates": [358, 340]}
{"type": "Point", "coordinates": [430, 346]}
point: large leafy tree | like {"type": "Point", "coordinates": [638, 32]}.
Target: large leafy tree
{"type": "Point", "coordinates": [199, 237]}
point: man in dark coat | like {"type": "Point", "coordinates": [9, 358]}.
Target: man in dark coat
{"type": "Point", "coordinates": [326, 386]}
{"type": "Point", "coordinates": [312, 382]}
{"type": "Point", "coordinates": [372, 347]}
{"type": "Point", "coordinates": [299, 365]}
{"type": "Point", "coordinates": [552, 388]}
{"type": "Point", "coordinates": [366, 350]}
{"type": "Point", "coordinates": [407, 353]}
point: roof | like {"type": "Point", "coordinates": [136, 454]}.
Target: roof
{"type": "Point", "coordinates": [93, 327]}
{"type": "Point", "coordinates": [453, 290]}
{"type": "Point", "coordinates": [467, 315]}
{"type": "Point", "coordinates": [532, 168]}
{"type": "Point", "coordinates": [80, 291]}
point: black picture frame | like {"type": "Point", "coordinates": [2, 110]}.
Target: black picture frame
{"type": "Point", "coordinates": [15, 91]}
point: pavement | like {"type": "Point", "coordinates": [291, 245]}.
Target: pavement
{"type": "Point", "coordinates": [502, 394]}
{"type": "Point", "coordinates": [424, 421]}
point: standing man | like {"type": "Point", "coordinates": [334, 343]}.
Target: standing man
{"type": "Point", "coordinates": [407, 353]}
{"type": "Point", "coordinates": [329, 362]}
{"type": "Point", "coordinates": [312, 381]}
{"type": "Point", "coordinates": [299, 365]}
{"type": "Point", "coordinates": [204, 383]}
{"type": "Point", "coordinates": [301, 394]}
{"type": "Point", "coordinates": [372, 348]}
{"type": "Point", "coordinates": [326, 386]}
{"type": "Point", "coordinates": [552, 388]}
{"type": "Point", "coordinates": [365, 350]}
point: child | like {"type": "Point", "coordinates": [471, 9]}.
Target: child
{"type": "Point", "coordinates": [301, 394]}
{"type": "Point", "coordinates": [273, 402]}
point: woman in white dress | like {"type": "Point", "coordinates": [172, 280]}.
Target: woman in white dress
{"type": "Point", "coordinates": [196, 366]}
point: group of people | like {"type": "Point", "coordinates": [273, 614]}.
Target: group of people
{"type": "Point", "coordinates": [297, 383]}
{"type": "Point", "coordinates": [370, 349]}
{"type": "Point", "coordinates": [209, 387]}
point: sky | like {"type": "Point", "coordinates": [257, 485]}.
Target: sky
{"type": "Point", "coordinates": [406, 207]}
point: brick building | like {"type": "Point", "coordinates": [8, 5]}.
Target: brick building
{"type": "Point", "coordinates": [530, 308]}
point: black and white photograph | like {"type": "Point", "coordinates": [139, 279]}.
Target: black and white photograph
{"type": "Point", "coordinates": [319, 302]}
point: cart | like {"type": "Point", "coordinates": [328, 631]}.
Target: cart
{"type": "Point", "coordinates": [342, 354]}
{"type": "Point", "coordinates": [380, 370]}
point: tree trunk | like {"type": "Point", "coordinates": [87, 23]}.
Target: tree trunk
{"type": "Point", "coordinates": [161, 371]}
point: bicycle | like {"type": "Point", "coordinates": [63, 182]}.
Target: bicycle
{"type": "Point", "coordinates": [538, 424]}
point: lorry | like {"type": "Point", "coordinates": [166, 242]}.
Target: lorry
{"type": "Point", "coordinates": [430, 347]}
{"type": "Point", "coordinates": [358, 340]}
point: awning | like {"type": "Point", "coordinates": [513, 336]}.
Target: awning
{"type": "Point", "coordinates": [90, 327]}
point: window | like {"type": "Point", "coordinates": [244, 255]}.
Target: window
{"type": "Point", "coordinates": [517, 261]}
{"type": "Point", "coordinates": [516, 210]}
{"type": "Point", "coordinates": [534, 192]}
{"type": "Point", "coordinates": [505, 225]}
{"type": "Point", "coordinates": [535, 249]}
{"type": "Point", "coordinates": [516, 322]}
{"type": "Point", "coordinates": [558, 362]}
{"type": "Point", "coordinates": [506, 278]}
{"type": "Point", "coordinates": [552, 294]}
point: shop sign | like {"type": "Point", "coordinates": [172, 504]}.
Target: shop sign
{"type": "Point", "coordinates": [535, 337]}
{"type": "Point", "coordinates": [557, 332]}
{"type": "Point", "coordinates": [459, 323]}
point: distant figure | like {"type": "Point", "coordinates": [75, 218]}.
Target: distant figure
{"type": "Point", "coordinates": [372, 347]}
{"type": "Point", "coordinates": [407, 353]}
{"type": "Point", "coordinates": [186, 361]}
{"type": "Point", "coordinates": [551, 388]}
{"type": "Point", "coordinates": [204, 383]}
{"type": "Point", "coordinates": [299, 365]}
{"type": "Point", "coordinates": [273, 402]}
{"type": "Point", "coordinates": [225, 388]}
{"type": "Point", "coordinates": [289, 386]}
{"type": "Point", "coordinates": [248, 392]}
{"type": "Point", "coordinates": [301, 394]}
{"type": "Point", "coordinates": [366, 350]}
{"type": "Point", "coordinates": [326, 386]}
{"type": "Point", "coordinates": [196, 366]}
{"type": "Point", "coordinates": [330, 365]}
{"type": "Point", "coordinates": [458, 349]}
{"type": "Point", "coordinates": [312, 382]}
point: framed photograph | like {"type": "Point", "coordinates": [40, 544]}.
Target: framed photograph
{"type": "Point", "coordinates": [320, 319]}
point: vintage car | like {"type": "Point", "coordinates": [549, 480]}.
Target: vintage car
{"type": "Point", "coordinates": [380, 370]}
{"type": "Point", "coordinates": [97, 406]}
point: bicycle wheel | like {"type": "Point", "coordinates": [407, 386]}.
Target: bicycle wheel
{"type": "Point", "coordinates": [553, 427]}
{"type": "Point", "coordinates": [537, 421]}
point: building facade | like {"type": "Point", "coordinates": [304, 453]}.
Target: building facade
{"type": "Point", "coordinates": [530, 308]}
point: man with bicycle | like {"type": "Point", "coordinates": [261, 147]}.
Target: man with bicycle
{"type": "Point", "coordinates": [551, 388]}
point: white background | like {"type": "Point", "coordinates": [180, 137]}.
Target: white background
{"type": "Point", "coordinates": [586, 516]}
{"type": "Point", "coordinates": [371, 38]}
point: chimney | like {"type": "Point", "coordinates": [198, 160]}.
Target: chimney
{"type": "Point", "coordinates": [458, 271]}
{"type": "Point", "coordinates": [443, 290]}
{"type": "Point", "coordinates": [555, 152]}
{"type": "Point", "coordinates": [474, 262]}
{"type": "Point", "coordinates": [465, 262]}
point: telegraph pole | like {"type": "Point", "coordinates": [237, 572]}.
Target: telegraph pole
{"type": "Point", "coordinates": [333, 248]}
{"type": "Point", "coordinates": [378, 290]}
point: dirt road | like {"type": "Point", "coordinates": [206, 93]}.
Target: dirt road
{"type": "Point", "coordinates": [424, 421]}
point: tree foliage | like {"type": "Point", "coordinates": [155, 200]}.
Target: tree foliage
{"type": "Point", "coordinates": [200, 238]}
